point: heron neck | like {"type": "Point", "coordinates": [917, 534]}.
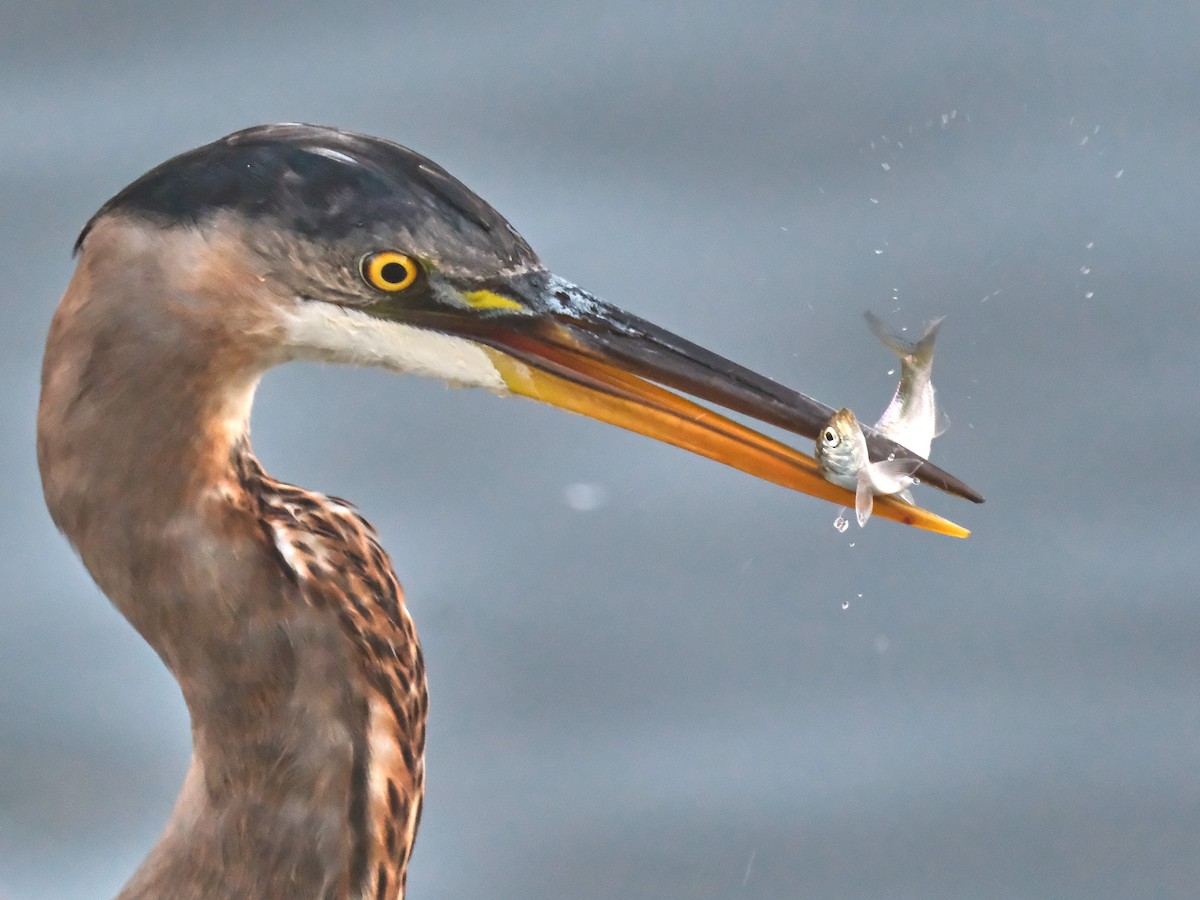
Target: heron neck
{"type": "Point", "coordinates": [143, 451]}
{"type": "Point", "coordinates": [145, 404]}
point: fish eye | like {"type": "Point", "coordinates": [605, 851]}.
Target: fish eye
{"type": "Point", "coordinates": [830, 437]}
{"type": "Point", "coordinates": [389, 271]}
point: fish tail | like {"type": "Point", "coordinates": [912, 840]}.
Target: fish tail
{"type": "Point", "coordinates": [920, 351]}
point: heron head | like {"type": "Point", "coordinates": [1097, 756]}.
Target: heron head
{"type": "Point", "coordinates": [347, 248]}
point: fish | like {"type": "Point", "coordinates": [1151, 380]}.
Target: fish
{"type": "Point", "coordinates": [911, 419]}
{"type": "Point", "coordinates": [841, 453]}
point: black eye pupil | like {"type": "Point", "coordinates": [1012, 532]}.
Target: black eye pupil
{"type": "Point", "coordinates": [829, 437]}
{"type": "Point", "coordinates": [393, 272]}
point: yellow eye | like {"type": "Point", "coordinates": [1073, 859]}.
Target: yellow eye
{"type": "Point", "coordinates": [389, 271]}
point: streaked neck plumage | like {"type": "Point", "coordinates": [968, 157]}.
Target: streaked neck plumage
{"type": "Point", "coordinates": [275, 609]}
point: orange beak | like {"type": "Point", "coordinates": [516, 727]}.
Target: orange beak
{"type": "Point", "coordinates": [571, 350]}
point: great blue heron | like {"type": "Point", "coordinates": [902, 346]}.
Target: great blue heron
{"type": "Point", "coordinates": [275, 608]}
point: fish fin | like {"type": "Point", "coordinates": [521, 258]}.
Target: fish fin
{"type": "Point", "coordinates": [889, 476]}
{"type": "Point", "coordinates": [920, 350]}
{"type": "Point", "coordinates": [942, 420]}
{"type": "Point", "coordinates": [864, 498]}
{"type": "Point", "coordinates": [907, 497]}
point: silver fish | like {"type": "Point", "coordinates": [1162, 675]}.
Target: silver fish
{"type": "Point", "coordinates": [910, 419]}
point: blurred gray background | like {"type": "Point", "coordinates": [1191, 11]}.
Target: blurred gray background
{"type": "Point", "coordinates": [646, 680]}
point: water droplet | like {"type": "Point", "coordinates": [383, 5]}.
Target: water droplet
{"type": "Point", "coordinates": [1120, 172]}
{"type": "Point", "coordinates": [886, 167]}
{"type": "Point", "coordinates": [852, 544]}
{"type": "Point", "coordinates": [1085, 270]}
{"type": "Point", "coordinates": [585, 496]}
{"type": "Point", "coordinates": [841, 524]}
{"type": "Point", "coordinates": [1089, 295]}
{"type": "Point", "coordinates": [878, 252]}
{"type": "Point", "coordinates": [1090, 245]}
{"type": "Point", "coordinates": [891, 371]}
{"type": "Point", "coordinates": [845, 604]}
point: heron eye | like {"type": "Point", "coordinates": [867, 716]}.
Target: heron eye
{"type": "Point", "coordinates": [389, 271]}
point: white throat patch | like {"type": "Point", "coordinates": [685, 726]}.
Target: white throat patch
{"type": "Point", "coordinates": [324, 332]}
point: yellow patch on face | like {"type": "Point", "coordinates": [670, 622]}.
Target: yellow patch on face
{"type": "Point", "coordinates": [491, 300]}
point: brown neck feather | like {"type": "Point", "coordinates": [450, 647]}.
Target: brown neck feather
{"type": "Point", "coordinates": [146, 468]}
